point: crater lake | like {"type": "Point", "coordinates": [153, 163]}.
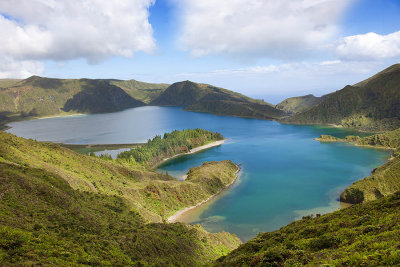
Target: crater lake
{"type": "Point", "coordinates": [285, 174]}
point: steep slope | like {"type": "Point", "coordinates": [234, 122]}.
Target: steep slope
{"type": "Point", "coordinates": [366, 234]}
{"type": "Point", "coordinates": [237, 108]}
{"type": "Point", "coordinates": [58, 207]}
{"type": "Point", "coordinates": [182, 94]}
{"type": "Point", "coordinates": [372, 105]}
{"type": "Point", "coordinates": [298, 104]}
{"type": "Point", "coordinates": [207, 98]}
{"type": "Point", "coordinates": [100, 96]}
{"type": "Point", "coordinates": [45, 222]}
{"type": "Point", "coordinates": [145, 92]}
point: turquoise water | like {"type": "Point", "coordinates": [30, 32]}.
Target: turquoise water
{"type": "Point", "coordinates": [285, 173]}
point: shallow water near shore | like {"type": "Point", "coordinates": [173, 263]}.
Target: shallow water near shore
{"type": "Point", "coordinates": [285, 173]}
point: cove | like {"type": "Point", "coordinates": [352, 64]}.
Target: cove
{"type": "Point", "coordinates": [285, 173]}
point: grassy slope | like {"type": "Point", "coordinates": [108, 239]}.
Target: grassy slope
{"type": "Point", "coordinates": [366, 234]}
{"type": "Point", "coordinates": [298, 104]}
{"type": "Point", "coordinates": [142, 91]}
{"type": "Point", "coordinates": [206, 98]}
{"type": "Point", "coordinates": [385, 179]}
{"type": "Point", "coordinates": [44, 221]}
{"type": "Point", "coordinates": [372, 105]}
{"type": "Point", "coordinates": [92, 192]}
{"type": "Point", "coordinates": [154, 195]}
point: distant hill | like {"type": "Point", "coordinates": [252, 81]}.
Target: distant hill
{"type": "Point", "coordinates": [145, 92]}
{"type": "Point", "coordinates": [100, 96]}
{"type": "Point", "coordinates": [211, 99]}
{"type": "Point", "coordinates": [372, 105]}
{"type": "Point", "coordinates": [298, 104]}
{"type": "Point", "coordinates": [40, 96]}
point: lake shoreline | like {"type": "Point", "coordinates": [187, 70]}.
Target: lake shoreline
{"type": "Point", "coordinates": [343, 204]}
{"type": "Point", "coordinates": [175, 217]}
{"type": "Point", "coordinates": [192, 151]}
{"type": "Point", "coordinates": [16, 118]}
{"type": "Point", "coordinates": [58, 116]}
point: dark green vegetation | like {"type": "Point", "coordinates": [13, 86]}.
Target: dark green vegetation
{"type": "Point", "coordinates": [366, 234]}
{"type": "Point", "coordinates": [207, 98]}
{"type": "Point", "coordinates": [61, 208]}
{"type": "Point", "coordinates": [299, 104]}
{"type": "Point", "coordinates": [171, 144]}
{"type": "Point", "coordinates": [371, 105]}
{"type": "Point", "coordinates": [385, 179]}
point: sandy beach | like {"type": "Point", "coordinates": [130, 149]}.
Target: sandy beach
{"type": "Point", "coordinates": [179, 213]}
{"type": "Point", "coordinates": [192, 151]}
{"type": "Point", "coordinates": [59, 116]}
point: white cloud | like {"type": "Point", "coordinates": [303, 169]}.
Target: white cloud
{"type": "Point", "coordinates": [370, 46]}
{"type": "Point", "coordinates": [330, 62]}
{"type": "Point", "coordinates": [10, 68]}
{"type": "Point", "coordinates": [70, 29]}
{"type": "Point", "coordinates": [268, 28]}
{"type": "Point", "coordinates": [296, 69]}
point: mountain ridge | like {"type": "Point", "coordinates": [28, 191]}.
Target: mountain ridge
{"type": "Point", "coordinates": [371, 105]}
{"type": "Point", "coordinates": [207, 98]}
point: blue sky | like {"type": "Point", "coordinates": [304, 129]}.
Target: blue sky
{"type": "Point", "coordinates": [269, 49]}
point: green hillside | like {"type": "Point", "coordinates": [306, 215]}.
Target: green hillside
{"type": "Point", "coordinates": [207, 98]}
{"type": "Point", "coordinates": [366, 234]}
{"type": "Point", "coordinates": [155, 196]}
{"type": "Point", "coordinates": [145, 92]}
{"type": "Point", "coordinates": [45, 222]}
{"type": "Point", "coordinates": [298, 104]}
{"type": "Point", "coordinates": [371, 105]}
{"type": "Point", "coordinates": [60, 208]}
{"type": "Point", "coordinates": [237, 108]}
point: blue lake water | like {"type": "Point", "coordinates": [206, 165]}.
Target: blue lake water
{"type": "Point", "coordinates": [285, 173]}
